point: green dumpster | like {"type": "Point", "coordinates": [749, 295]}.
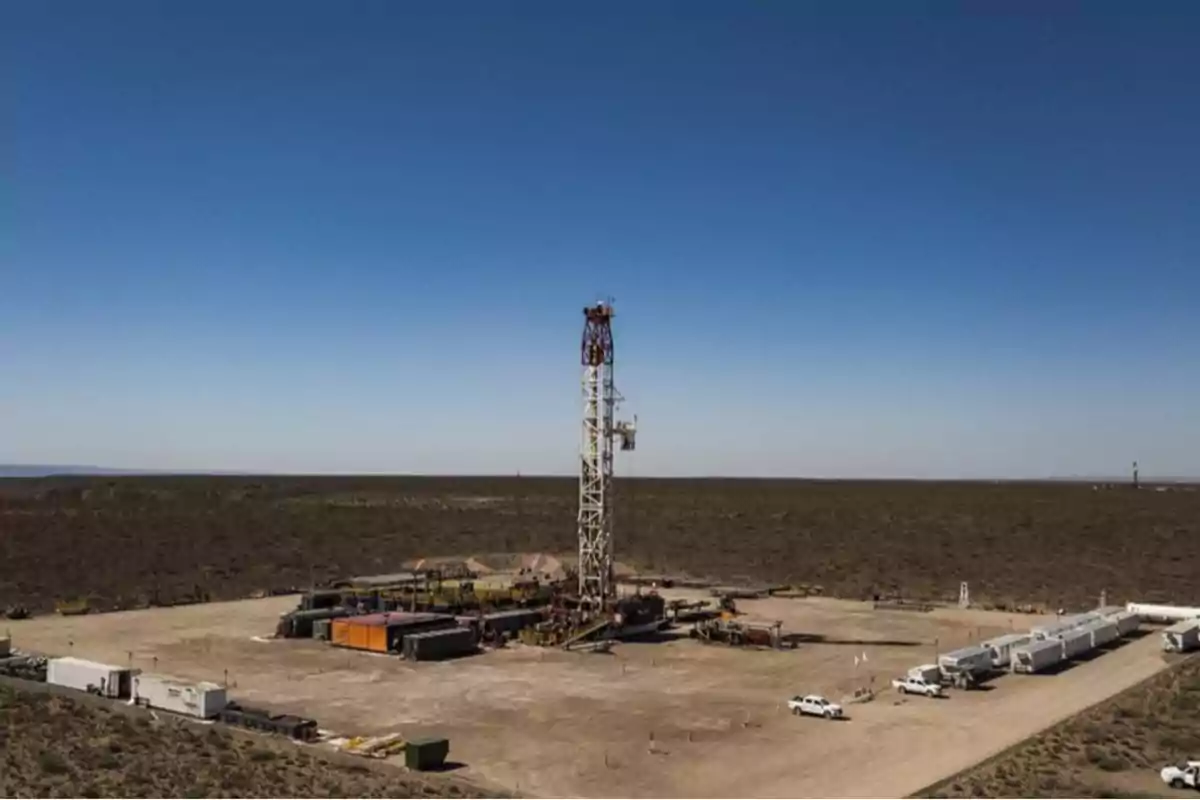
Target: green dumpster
{"type": "Point", "coordinates": [426, 754]}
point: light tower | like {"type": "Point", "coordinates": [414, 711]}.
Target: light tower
{"type": "Point", "coordinates": [600, 428]}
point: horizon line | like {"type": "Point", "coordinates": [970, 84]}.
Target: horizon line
{"type": "Point", "coordinates": [7, 471]}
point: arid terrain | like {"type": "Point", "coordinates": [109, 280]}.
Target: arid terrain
{"type": "Point", "coordinates": [662, 719]}
{"type": "Point", "coordinates": [126, 542]}
{"type": "Point", "coordinates": [55, 746]}
{"type": "Point", "coordinates": [1113, 750]}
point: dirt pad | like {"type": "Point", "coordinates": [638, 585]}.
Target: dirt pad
{"type": "Point", "coordinates": [673, 718]}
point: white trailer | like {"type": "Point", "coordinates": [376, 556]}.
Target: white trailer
{"type": "Point", "coordinates": [1075, 642]}
{"type": "Point", "coordinates": [1102, 632]}
{"type": "Point", "coordinates": [1126, 621]}
{"type": "Point", "coordinates": [1182, 637]}
{"type": "Point", "coordinates": [965, 666]}
{"type": "Point", "coordinates": [1160, 613]}
{"type": "Point", "coordinates": [1037, 656]}
{"type": "Point", "coordinates": [193, 698]}
{"type": "Point", "coordinates": [975, 658]}
{"type": "Point", "coordinates": [1051, 630]}
{"type": "Point", "coordinates": [89, 676]}
{"type": "Point", "coordinates": [1002, 646]}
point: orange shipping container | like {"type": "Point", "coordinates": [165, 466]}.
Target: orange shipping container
{"type": "Point", "coordinates": [353, 633]}
{"type": "Point", "coordinates": [339, 632]}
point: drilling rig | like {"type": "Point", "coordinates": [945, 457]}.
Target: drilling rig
{"type": "Point", "coordinates": [600, 429]}
{"type": "Point", "coordinates": [596, 613]}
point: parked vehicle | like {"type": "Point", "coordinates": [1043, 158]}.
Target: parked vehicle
{"type": "Point", "coordinates": [930, 673]}
{"type": "Point", "coordinates": [814, 705]}
{"type": "Point", "coordinates": [1186, 774]}
{"type": "Point", "coordinates": [914, 684]}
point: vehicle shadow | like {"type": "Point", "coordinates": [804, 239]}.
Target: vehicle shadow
{"type": "Point", "coordinates": [817, 638]}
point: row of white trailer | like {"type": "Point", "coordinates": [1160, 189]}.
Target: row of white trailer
{"type": "Point", "coordinates": [1071, 637]}
{"type": "Point", "coordinates": [199, 699]}
{"type": "Point", "coordinates": [1039, 649]}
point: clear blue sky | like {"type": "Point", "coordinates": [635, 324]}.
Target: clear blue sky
{"type": "Point", "coordinates": [844, 239]}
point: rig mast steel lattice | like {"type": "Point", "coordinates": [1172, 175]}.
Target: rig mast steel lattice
{"type": "Point", "coordinates": [600, 429]}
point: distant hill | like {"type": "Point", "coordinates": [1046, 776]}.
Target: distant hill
{"type": "Point", "coordinates": [45, 470]}
{"type": "Point", "coordinates": [49, 470]}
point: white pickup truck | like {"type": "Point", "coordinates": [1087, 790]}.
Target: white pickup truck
{"type": "Point", "coordinates": [816, 706]}
{"type": "Point", "coordinates": [1183, 775]}
{"type": "Point", "coordinates": [913, 684]}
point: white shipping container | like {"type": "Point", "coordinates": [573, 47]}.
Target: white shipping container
{"type": "Point", "coordinates": [193, 698]}
{"type": "Point", "coordinates": [1037, 656]}
{"type": "Point", "coordinates": [1182, 636]}
{"type": "Point", "coordinates": [89, 676]}
{"type": "Point", "coordinates": [1103, 632]}
{"type": "Point", "coordinates": [1158, 613]}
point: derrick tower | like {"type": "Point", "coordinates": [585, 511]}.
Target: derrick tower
{"type": "Point", "coordinates": [600, 430]}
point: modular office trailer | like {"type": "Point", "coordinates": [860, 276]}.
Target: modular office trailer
{"type": "Point", "coordinates": [1182, 637]}
{"type": "Point", "coordinates": [1037, 656]}
{"type": "Point", "coordinates": [193, 698]}
{"type": "Point", "coordinates": [1075, 642]}
{"type": "Point", "coordinates": [971, 660]}
{"type": "Point", "coordinates": [1126, 621]}
{"type": "Point", "coordinates": [1102, 632]}
{"type": "Point", "coordinates": [1002, 646]}
{"type": "Point", "coordinates": [89, 676]}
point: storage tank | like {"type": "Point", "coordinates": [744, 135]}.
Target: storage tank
{"type": "Point", "coordinates": [1182, 637]}
{"type": "Point", "coordinates": [435, 645]}
{"type": "Point", "coordinates": [89, 676]}
{"type": "Point", "coordinates": [199, 699]}
{"type": "Point", "coordinates": [1037, 656]}
{"type": "Point", "coordinates": [1163, 613]}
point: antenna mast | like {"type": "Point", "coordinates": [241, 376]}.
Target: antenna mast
{"type": "Point", "coordinates": [600, 399]}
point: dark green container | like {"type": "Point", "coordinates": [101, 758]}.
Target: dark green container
{"type": "Point", "coordinates": [426, 754]}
